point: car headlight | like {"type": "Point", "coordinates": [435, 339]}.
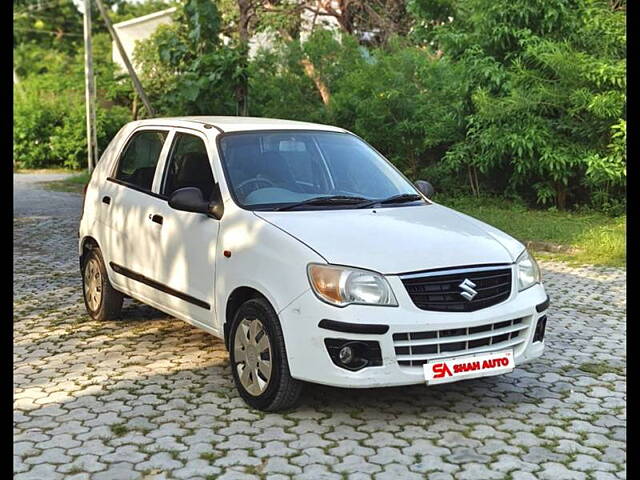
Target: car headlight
{"type": "Point", "coordinates": [528, 271]}
{"type": "Point", "coordinates": [343, 286]}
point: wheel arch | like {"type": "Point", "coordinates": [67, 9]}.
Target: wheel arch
{"type": "Point", "coordinates": [86, 245]}
{"type": "Point", "coordinates": [237, 297]}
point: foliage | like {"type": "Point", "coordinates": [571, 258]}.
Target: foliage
{"type": "Point", "coordinates": [524, 99]}
{"type": "Point", "coordinates": [49, 130]}
{"type": "Point", "coordinates": [188, 69]}
{"type": "Point", "coordinates": [404, 100]}
{"type": "Point", "coordinates": [58, 24]}
{"type": "Point", "coordinates": [279, 87]}
{"type": "Point", "coordinates": [547, 94]}
{"type": "Point", "coordinates": [49, 109]}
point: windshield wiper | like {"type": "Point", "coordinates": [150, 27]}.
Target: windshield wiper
{"type": "Point", "coordinates": [326, 200]}
{"type": "Point", "coordinates": [402, 198]}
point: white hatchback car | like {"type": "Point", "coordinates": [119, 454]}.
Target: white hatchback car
{"type": "Point", "coordinates": [311, 255]}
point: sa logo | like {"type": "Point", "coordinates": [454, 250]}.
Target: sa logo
{"type": "Point", "coordinates": [441, 370]}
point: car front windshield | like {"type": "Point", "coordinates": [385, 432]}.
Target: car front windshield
{"type": "Point", "coordinates": [272, 170]}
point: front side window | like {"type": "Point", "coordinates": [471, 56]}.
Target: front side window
{"type": "Point", "coordinates": [275, 170]}
{"type": "Point", "coordinates": [188, 166]}
{"type": "Point", "coordinates": [137, 164]}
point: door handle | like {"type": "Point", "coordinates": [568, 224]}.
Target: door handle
{"type": "Point", "coordinates": [106, 199]}
{"type": "Point", "coordinates": [156, 218]}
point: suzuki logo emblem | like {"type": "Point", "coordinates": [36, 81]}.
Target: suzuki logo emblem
{"type": "Point", "coordinates": [467, 289]}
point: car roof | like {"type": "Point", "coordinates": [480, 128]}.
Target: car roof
{"type": "Point", "coordinates": [238, 124]}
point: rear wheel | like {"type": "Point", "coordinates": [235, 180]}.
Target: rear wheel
{"type": "Point", "coordinates": [102, 301]}
{"type": "Point", "coordinates": [259, 359]}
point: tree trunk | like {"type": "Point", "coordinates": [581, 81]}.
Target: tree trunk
{"type": "Point", "coordinates": [414, 168]}
{"type": "Point", "coordinates": [475, 176]}
{"type": "Point", "coordinates": [342, 13]}
{"type": "Point", "coordinates": [310, 71]}
{"type": "Point", "coordinates": [472, 183]}
{"type": "Point", "coordinates": [561, 196]}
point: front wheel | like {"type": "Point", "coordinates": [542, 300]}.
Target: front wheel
{"type": "Point", "coordinates": [259, 359]}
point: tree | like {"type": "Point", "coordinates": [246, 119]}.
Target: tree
{"type": "Point", "coordinates": [54, 25]}
{"type": "Point", "coordinates": [186, 66]}
{"type": "Point", "coordinates": [57, 24]}
{"type": "Point", "coordinates": [546, 88]}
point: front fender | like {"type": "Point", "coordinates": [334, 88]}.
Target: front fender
{"type": "Point", "coordinates": [260, 256]}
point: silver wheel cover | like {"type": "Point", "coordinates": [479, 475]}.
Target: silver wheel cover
{"type": "Point", "coordinates": [252, 356]}
{"type": "Point", "coordinates": [93, 284]}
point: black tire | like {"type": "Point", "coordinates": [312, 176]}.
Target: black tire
{"type": "Point", "coordinates": [282, 392]}
{"type": "Point", "coordinates": [109, 304]}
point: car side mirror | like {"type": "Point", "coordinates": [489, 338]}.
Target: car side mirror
{"type": "Point", "coordinates": [189, 199]}
{"type": "Point", "coordinates": [425, 188]}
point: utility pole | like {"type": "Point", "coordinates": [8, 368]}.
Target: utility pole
{"type": "Point", "coordinates": [89, 82]}
{"type": "Point", "coordinates": [125, 58]}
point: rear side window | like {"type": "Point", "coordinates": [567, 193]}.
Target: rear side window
{"type": "Point", "coordinates": [188, 166]}
{"type": "Point", "coordinates": [138, 162]}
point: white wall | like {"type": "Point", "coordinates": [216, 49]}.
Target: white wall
{"type": "Point", "coordinates": [137, 29]}
{"type": "Point", "coordinates": [141, 28]}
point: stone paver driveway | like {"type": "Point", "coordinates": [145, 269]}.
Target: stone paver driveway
{"type": "Point", "coordinates": [151, 397]}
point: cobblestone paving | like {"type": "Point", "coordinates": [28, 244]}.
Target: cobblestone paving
{"type": "Point", "coordinates": [149, 397]}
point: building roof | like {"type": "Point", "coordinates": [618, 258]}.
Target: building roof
{"type": "Point", "coordinates": [240, 124]}
{"type": "Point", "coordinates": [145, 18]}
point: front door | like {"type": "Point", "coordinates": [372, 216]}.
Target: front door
{"type": "Point", "coordinates": [186, 261]}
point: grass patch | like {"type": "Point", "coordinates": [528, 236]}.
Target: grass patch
{"type": "Point", "coordinates": [252, 470]}
{"type": "Point", "coordinates": [538, 430]}
{"type": "Point", "coordinates": [44, 170]}
{"type": "Point", "coordinates": [119, 429]}
{"type": "Point", "coordinates": [209, 456]}
{"type": "Point", "coordinates": [73, 183]}
{"type": "Point", "coordinates": [579, 238]}
{"type": "Point", "coordinates": [600, 368]}
{"type": "Point", "coordinates": [566, 368]}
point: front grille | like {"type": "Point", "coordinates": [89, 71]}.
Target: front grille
{"type": "Point", "coordinates": [416, 348]}
{"type": "Point", "coordinates": [441, 291]}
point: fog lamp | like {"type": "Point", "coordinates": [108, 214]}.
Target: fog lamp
{"type": "Point", "coordinates": [346, 354]}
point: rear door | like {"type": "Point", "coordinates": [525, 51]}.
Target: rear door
{"type": "Point", "coordinates": [128, 201]}
{"type": "Point", "coordinates": [187, 244]}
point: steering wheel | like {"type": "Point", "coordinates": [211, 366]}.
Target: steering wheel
{"type": "Point", "coordinates": [256, 181]}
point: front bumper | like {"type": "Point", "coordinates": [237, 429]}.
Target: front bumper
{"type": "Point", "coordinates": [310, 361]}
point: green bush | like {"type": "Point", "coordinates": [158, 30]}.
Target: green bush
{"type": "Point", "coordinates": [403, 102]}
{"type": "Point", "coordinates": [50, 129]}
{"type": "Point", "coordinates": [33, 121]}
{"type": "Point", "coordinates": [49, 105]}
{"type": "Point", "coordinates": [547, 97]}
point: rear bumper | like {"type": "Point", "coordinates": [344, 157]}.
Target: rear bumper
{"type": "Point", "coordinates": [310, 361]}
